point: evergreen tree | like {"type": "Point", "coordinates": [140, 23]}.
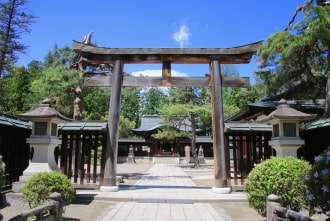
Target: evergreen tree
{"type": "Point", "coordinates": [297, 59]}
{"type": "Point", "coordinates": [14, 22]}
{"type": "Point", "coordinates": [18, 91]}
{"type": "Point", "coordinates": [152, 100]}
{"type": "Point", "coordinates": [130, 103]}
{"type": "Point", "coordinates": [186, 103]}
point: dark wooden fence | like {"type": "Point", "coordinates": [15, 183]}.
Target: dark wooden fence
{"type": "Point", "coordinates": [82, 156]}
{"type": "Point", "coordinates": [14, 150]}
{"type": "Point", "coordinates": [316, 141]}
{"type": "Point", "coordinates": [246, 149]}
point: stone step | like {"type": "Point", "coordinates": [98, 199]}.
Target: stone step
{"type": "Point", "coordinates": [166, 160]}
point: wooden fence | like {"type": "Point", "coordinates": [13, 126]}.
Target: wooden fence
{"type": "Point", "coordinates": [82, 156]}
{"type": "Point", "coordinates": [246, 149]}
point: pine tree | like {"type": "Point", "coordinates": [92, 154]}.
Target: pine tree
{"type": "Point", "coordinates": [14, 22]}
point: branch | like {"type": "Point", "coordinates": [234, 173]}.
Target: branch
{"type": "Point", "coordinates": [301, 7]}
{"type": "Point", "coordinates": [298, 9]}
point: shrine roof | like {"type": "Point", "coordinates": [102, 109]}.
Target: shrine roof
{"type": "Point", "coordinates": [152, 122]}
{"type": "Point", "coordinates": [14, 122]}
{"type": "Point", "coordinates": [247, 126]}
{"type": "Point", "coordinates": [252, 111]}
{"type": "Point", "coordinates": [234, 55]}
{"type": "Point", "coordinates": [83, 126]}
{"type": "Point", "coordinates": [317, 123]}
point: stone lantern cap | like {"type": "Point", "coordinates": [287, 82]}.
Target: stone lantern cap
{"type": "Point", "coordinates": [284, 111]}
{"type": "Point", "coordinates": [43, 111]}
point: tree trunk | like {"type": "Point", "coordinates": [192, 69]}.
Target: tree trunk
{"type": "Point", "coordinates": [193, 140]}
{"type": "Point", "coordinates": [4, 51]}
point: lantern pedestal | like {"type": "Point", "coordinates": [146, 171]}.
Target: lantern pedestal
{"type": "Point", "coordinates": [286, 146]}
{"type": "Point", "coordinates": [43, 157]}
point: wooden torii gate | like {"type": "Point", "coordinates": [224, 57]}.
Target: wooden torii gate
{"type": "Point", "coordinates": [118, 57]}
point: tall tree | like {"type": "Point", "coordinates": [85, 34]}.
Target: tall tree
{"type": "Point", "coordinates": [185, 104]}
{"type": "Point", "coordinates": [18, 91]}
{"type": "Point", "coordinates": [54, 83]}
{"type": "Point", "coordinates": [14, 22]}
{"type": "Point", "coordinates": [297, 59]}
{"type": "Point", "coordinates": [130, 103]}
{"type": "Point", "coordinates": [152, 100]}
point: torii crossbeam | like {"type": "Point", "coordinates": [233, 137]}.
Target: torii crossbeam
{"type": "Point", "coordinates": [118, 57]}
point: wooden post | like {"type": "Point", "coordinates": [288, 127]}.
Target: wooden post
{"type": "Point", "coordinates": [219, 151]}
{"type": "Point", "coordinates": [109, 183]}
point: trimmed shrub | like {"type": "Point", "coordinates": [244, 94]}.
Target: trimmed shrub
{"type": "Point", "coordinates": [318, 184]}
{"type": "Point", "coordinates": [282, 176]}
{"type": "Point", "coordinates": [39, 187]}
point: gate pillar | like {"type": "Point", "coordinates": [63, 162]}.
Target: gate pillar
{"type": "Point", "coordinates": [220, 154]}
{"type": "Point", "coordinates": [109, 183]}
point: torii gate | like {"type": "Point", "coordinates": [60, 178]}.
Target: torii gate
{"type": "Point", "coordinates": [118, 57]}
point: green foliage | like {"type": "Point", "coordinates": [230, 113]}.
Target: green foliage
{"type": "Point", "coordinates": [125, 127]}
{"type": "Point", "coordinates": [152, 101]}
{"type": "Point", "coordinates": [130, 103]}
{"type": "Point", "coordinates": [240, 97]}
{"type": "Point", "coordinates": [318, 184]}
{"type": "Point", "coordinates": [59, 56]}
{"type": "Point", "coordinates": [169, 133]}
{"type": "Point", "coordinates": [39, 187]}
{"type": "Point", "coordinates": [55, 83]}
{"type": "Point", "coordinates": [295, 60]}
{"type": "Point", "coordinates": [18, 91]}
{"type": "Point", "coordinates": [2, 173]}
{"type": "Point", "coordinates": [14, 23]}
{"type": "Point", "coordinates": [282, 176]}
{"type": "Point", "coordinates": [96, 103]}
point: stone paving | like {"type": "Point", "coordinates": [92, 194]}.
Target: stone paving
{"type": "Point", "coordinates": [157, 192]}
{"type": "Point", "coordinates": [165, 192]}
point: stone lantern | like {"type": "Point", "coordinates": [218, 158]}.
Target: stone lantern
{"type": "Point", "coordinates": [285, 127]}
{"type": "Point", "coordinates": [44, 139]}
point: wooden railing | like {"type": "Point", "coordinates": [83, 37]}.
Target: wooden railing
{"type": "Point", "coordinates": [52, 211]}
{"type": "Point", "coordinates": [276, 212]}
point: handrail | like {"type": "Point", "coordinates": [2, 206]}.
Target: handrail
{"type": "Point", "coordinates": [52, 210]}
{"type": "Point", "coordinates": [275, 211]}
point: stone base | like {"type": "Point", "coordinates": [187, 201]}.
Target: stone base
{"type": "Point", "coordinates": [109, 188]}
{"type": "Point", "coordinates": [130, 160]}
{"type": "Point", "coordinates": [36, 167]}
{"type": "Point", "coordinates": [201, 160]}
{"type": "Point", "coordinates": [17, 187]}
{"type": "Point", "coordinates": [31, 170]}
{"type": "Point", "coordinates": [221, 190]}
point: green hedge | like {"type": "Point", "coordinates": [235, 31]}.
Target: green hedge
{"type": "Point", "coordinates": [282, 176]}
{"type": "Point", "coordinates": [39, 187]}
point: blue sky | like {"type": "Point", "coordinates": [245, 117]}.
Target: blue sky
{"type": "Point", "coordinates": [156, 24]}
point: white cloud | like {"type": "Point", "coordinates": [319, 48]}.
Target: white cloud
{"type": "Point", "coordinates": [157, 73]}
{"type": "Point", "coordinates": [181, 36]}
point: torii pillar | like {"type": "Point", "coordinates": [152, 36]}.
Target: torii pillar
{"type": "Point", "coordinates": [220, 154]}
{"type": "Point", "coordinates": [109, 181]}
